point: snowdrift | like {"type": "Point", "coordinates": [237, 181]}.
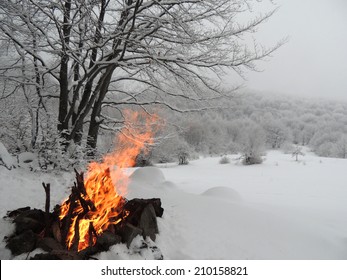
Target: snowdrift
{"type": "Point", "coordinates": [278, 210]}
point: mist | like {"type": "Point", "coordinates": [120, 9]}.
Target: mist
{"type": "Point", "coordinates": [312, 63]}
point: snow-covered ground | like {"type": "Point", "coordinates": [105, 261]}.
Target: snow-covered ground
{"type": "Point", "coordinates": [281, 209]}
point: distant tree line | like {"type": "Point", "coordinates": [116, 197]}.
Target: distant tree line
{"type": "Point", "coordinates": [254, 123]}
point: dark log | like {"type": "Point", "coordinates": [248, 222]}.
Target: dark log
{"type": "Point", "coordinates": [25, 223]}
{"type": "Point", "coordinates": [56, 231]}
{"type": "Point", "coordinates": [47, 188]}
{"type": "Point", "coordinates": [80, 182]}
{"type": "Point", "coordinates": [49, 244]}
{"type": "Point", "coordinates": [87, 252]}
{"type": "Point", "coordinates": [45, 256]}
{"type": "Point", "coordinates": [92, 233]}
{"type": "Point", "coordinates": [30, 220]}
{"type": "Point", "coordinates": [106, 240]}
{"type": "Point", "coordinates": [156, 202]}
{"type": "Point", "coordinates": [15, 213]}
{"type": "Point", "coordinates": [22, 243]}
{"type": "Point", "coordinates": [138, 204]}
{"type": "Point", "coordinates": [148, 222]}
{"type": "Point", "coordinates": [128, 232]}
{"type": "Point", "coordinates": [66, 255]}
{"type": "Point", "coordinates": [57, 255]}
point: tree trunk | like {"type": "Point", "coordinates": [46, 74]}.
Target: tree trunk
{"type": "Point", "coordinates": [63, 75]}
{"type": "Point", "coordinates": [95, 116]}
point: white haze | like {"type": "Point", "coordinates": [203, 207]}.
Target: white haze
{"type": "Point", "coordinates": [313, 63]}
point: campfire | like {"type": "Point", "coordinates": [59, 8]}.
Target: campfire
{"type": "Point", "coordinates": [96, 215]}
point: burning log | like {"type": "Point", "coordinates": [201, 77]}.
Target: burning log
{"type": "Point", "coordinates": [91, 207]}
{"type": "Point", "coordinates": [81, 192]}
{"type": "Point", "coordinates": [67, 221]}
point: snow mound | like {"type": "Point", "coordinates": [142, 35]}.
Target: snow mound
{"type": "Point", "coordinates": [28, 160]}
{"type": "Point", "coordinates": [223, 192]}
{"type": "Point", "coordinates": [169, 185]}
{"type": "Point", "coordinates": [26, 157]}
{"type": "Point", "coordinates": [151, 176]}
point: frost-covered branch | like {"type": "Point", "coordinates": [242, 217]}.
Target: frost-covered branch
{"type": "Point", "coordinates": [131, 52]}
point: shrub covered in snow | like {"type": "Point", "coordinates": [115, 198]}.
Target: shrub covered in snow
{"type": "Point", "coordinates": [172, 149]}
{"type": "Point", "coordinates": [53, 155]}
{"type": "Point", "coordinates": [224, 160]}
{"type": "Point", "coordinates": [287, 148]}
{"type": "Point", "coordinates": [253, 144]}
{"type": "Point", "coordinates": [183, 154]}
{"type": "Point", "coordinates": [249, 159]}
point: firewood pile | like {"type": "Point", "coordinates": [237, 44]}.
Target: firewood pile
{"type": "Point", "coordinates": [35, 228]}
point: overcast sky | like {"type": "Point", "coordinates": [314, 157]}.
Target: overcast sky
{"type": "Point", "coordinates": [314, 61]}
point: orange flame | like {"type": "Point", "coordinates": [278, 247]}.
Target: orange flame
{"type": "Point", "coordinates": [105, 200]}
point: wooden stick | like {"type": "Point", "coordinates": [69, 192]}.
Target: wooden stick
{"type": "Point", "coordinates": [80, 182]}
{"type": "Point", "coordinates": [91, 232]}
{"type": "Point", "coordinates": [47, 188]}
{"type": "Point", "coordinates": [67, 221]}
{"type": "Point", "coordinates": [76, 241]}
{"type": "Point", "coordinates": [87, 204]}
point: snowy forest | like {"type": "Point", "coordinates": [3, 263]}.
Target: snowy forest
{"type": "Point", "coordinates": [84, 82]}
{"type": "Point", "coordinates": [69, 68]}
{"type": "Point", "coordinates": [254, 123]}
{"type": "Point", "coordinates": [247, 123]}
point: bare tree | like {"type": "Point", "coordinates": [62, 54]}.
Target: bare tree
{"type": "Point", "coordinates": [96, 56]}
{"type": "Point", "coordinates": [297, 151]}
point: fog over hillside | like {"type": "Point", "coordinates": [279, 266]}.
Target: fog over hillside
{"type": "Point", "coordinates": [276, 121]}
